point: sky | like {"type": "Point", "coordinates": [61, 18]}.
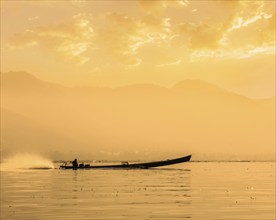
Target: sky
{"type": "Point", "coordinates": [116, 43]}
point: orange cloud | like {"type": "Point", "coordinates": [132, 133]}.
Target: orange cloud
{"type": "Point", "coordinates": [124, 35]}
{"type": "Point", "coordinates": [248, 31]}
{"type": "Point", "coordinates": [201, 35]}
{"type": "Point", "coordinates": [70, 40]}
{"type": "Point", "coordinates": [127, 38]}
{"type": "Point", "coordinates": [154, 7]}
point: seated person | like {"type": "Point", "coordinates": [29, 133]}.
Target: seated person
{"type": "Point", "coordinates": [75, 163]}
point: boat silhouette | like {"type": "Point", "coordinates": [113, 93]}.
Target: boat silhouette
{"type": "Point", "coordinates": [126, 165]}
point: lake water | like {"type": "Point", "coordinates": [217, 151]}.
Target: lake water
{"type": "Point", "coordinates": [195, 190]}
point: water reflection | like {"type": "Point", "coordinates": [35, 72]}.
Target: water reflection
{"type": "Point", "coordinates": [195, 192]}
{"type": "Point", "coordinates": [110, 193]}
{"type": "Point", "coordinates": [130, 193]}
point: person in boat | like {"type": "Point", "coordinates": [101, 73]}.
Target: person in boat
{"type": "Point", "coordinates": [75, 163]}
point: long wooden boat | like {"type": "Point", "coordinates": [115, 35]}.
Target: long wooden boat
{"type": "Point", "coordinates": [126, 165]}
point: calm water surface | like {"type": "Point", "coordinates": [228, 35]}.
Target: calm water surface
{"type": "Point", "coordinates": [187, 191]}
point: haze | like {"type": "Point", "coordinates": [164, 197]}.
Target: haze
{"type": "Point", "coordinates": [138, 79]}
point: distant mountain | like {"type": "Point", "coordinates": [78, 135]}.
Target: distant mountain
{"type": "Point", "coordinates": [138, 121]}
{"type": "Point", "coordinates": [196, 86]}
{"type": "Point", "coordinates": [22, 81]}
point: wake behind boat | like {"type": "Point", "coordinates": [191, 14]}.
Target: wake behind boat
{"type": "Point", "coordinates": [126, 165]}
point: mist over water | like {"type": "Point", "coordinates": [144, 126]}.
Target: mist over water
{"type": "Point", "coordinates": [26, 161]}
{"type": "Point", "coordinates": [141, 121]}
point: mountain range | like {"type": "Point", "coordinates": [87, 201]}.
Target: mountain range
{"type": "Point", "coordinates": [133, 122]}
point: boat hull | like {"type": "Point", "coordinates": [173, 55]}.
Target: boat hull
{"type": "Point", "coordinates": [134, 166]}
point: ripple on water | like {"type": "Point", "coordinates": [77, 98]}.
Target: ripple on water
{"type": "Point", "coordinates": [198, 191]}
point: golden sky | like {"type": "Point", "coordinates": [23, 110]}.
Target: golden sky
{"type": "Point", "coordinates": [115, 43]}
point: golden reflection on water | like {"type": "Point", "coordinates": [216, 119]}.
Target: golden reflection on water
{"type": "Point", "coordinates": [192, 190]}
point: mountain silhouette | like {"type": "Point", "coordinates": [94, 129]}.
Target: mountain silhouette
{"type": "Point", "coordinates": [191, 117]}
{"type": "Point", "coordinates": [23, 81]}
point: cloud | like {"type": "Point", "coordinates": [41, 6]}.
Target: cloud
{"type": "Point", "coordinates": [123, 35]}
{"type": "Point", "coordinates": [171, 63]}
{"type": "Point", "coordinates": [206, 31]}
{"type": "Point", "coordinates": [129, 39]}
{"type": "Point", "coordinates": [70, 40]}
{"type": "Point", "coordinates": [120, 37]}
{"type": "Point", "coordinates": [201, 35]}
{"type": "Point", "coordinates": [216, 38]}
{"type": "Point", "coordinates": [154, 6]}
{"type": "Point", "coordinates": [238, 53]}
{"type": "Point", "coordinates": [253, 24]}
{"type": "Point", "coordinates": [248, 30]}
